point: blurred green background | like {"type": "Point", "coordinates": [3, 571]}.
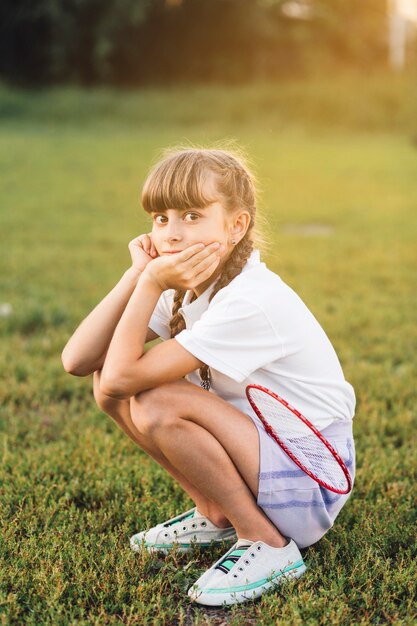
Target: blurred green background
{"type": "Point", "coordinates": [138, 42]}
{"type": "Point", "coordinates": [333, 141]}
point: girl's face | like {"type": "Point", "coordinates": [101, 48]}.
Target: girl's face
{"type": "Point", "coordinates": [176, 229]}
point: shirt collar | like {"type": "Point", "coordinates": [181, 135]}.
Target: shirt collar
{"type": "Point", "coordinates": [192, 311]}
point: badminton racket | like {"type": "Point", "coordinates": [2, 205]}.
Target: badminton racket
{"type": "Point", "coordinates": [299, 439]}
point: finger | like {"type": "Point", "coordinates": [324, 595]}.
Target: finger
{"type": "Point", "coordinates": [210, 252]}
{"type": "Point", "coordinates": [206, 261]}
{"type": "Point", "coordinates": [146, 243]}
{"type": "Point", "coordinates": [186, 254]}
{"type": "Point", "coordinates": [207, 269]}
{"type": "Point", "coordinates": [137, 241]}
{"type": "Point", "coordinates": [205, 274]}
{"type": "Point", "coordinates": [199, 252]}
{"type": "Point", "coordinates": [153, 250]}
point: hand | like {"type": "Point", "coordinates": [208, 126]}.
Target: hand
{"type": "Point", "coordinates": [142, 251]}
{"type": "Point", "coordinates": [188, 268]}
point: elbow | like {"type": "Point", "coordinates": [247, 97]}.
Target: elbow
{"type": "Point", "coordinates": [72, 367]}
{"type": "Point", "coordinates": [69, 366]}
{"type": "Point", "coordinates": [114, 387]}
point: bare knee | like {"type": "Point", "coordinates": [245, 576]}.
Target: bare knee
{"type": "Point", "coordinates": [151, 410]}
{"type": "Point", "coordinates": [108, 405]}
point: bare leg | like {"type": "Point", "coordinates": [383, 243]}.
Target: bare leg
{"type": "Point", "coordinates": [197, 432]}
{"type": "Point", "coordinates": [119, 410]}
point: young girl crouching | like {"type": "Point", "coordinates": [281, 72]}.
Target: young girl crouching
{"type": "Point", "coordinates": [227, 321]}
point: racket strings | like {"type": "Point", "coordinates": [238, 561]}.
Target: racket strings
{"type": "Point", "coordinates": [300, 440]}
{"type": "Point", "coordinates": [321, 463]}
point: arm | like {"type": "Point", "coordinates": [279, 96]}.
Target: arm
{"type": "Point", "coordinates": [85, 352]}
{"type": "Point", "coordinates": [127, 370]}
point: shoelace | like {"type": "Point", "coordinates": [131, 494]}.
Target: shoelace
{"type": "Point", "coordinates": [181, 519]}
{"type": "Point", "coordinates": [231, 557]}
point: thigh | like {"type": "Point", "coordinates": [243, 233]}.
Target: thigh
{"type": "Point", "coordinates": [235, 430]}
{"type": "Point", "coordinates": [296, 504]}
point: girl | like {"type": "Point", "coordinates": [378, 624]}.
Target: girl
{"type": "Point", "coordinates": [227, 321]}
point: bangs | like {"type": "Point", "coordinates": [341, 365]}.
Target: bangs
{"type": "Point", "coordinates": [183, 181]}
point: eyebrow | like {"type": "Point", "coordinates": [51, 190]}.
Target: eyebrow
{"type": "Point", "coordinates": [165, 210]}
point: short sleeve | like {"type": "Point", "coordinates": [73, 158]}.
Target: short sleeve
{"type": "Point", "coordinates": [162, 314]}
{"type": "Point", "coordinates": [234, 337]}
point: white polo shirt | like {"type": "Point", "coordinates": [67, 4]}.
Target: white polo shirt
{"type": "Point", "coordinates": [257, 330]}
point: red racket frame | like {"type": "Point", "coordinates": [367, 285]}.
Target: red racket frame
{"type": "Point", "coordinates": [273, 434]}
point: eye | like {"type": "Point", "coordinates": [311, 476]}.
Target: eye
{"type": "Point", "coordinates": [156, 219]}
{"type": "Point", "coordinates": [194, 216]}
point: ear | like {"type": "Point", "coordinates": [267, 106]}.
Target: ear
{"type": "Point", "coordinates": [240, 224]}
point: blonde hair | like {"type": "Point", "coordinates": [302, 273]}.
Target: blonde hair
{"type": "Point", "coordinates": [178, 180]}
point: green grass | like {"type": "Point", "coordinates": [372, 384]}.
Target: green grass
{"type": "Point", "coordinates": [338, 154]}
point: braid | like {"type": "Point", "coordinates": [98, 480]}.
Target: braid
{"type": "Point", "coordinates": [177, 322]}
{"type": "Point", "coordinates": [233, 267]}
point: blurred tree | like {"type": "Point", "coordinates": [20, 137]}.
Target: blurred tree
{"type": "Point", "coordinates": [133, 42]}
{"type": "Point", "coordinates": [353, 31]}
{"type": "Point", "coordinates": [42, 41]}
{"type": "Point", "coordinates": [24, 41]}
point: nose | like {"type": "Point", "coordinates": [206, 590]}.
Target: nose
{"type": "Point", "coordinates": [173, 231]}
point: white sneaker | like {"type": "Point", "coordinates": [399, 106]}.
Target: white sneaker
{"type": "Point", "coordinates": [246, 571]}
{"type": "Point", "coordinates": [182, 531]}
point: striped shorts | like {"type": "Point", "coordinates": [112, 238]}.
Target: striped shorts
{"type": "Point", "coordinates": [298, 506]}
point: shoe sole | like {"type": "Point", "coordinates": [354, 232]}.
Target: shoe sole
{"type": "Point", "coordinates": [243, 593]}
